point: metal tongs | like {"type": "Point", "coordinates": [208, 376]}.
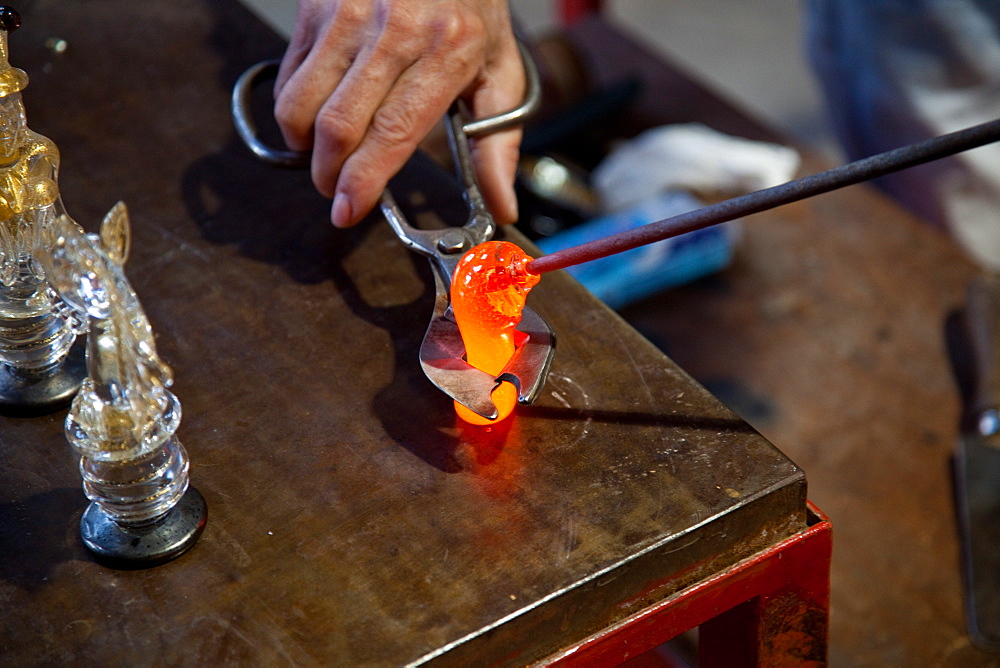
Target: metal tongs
{"type": "Point", "coordinates": [442, 353]}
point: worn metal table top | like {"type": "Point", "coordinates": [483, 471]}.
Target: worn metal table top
{"type": "Point", "coordinates": [351, 518]}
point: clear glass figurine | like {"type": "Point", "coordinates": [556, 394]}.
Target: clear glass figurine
{"type": "Point", "coordinates": [123, 420]}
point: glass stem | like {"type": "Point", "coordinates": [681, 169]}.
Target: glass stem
{"type": "Point", "coordinates": [138, 491]}
{"type": "Point", "coordinates": [34, 338]}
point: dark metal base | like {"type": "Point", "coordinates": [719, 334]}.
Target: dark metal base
{"type": "Point", "coordinates": [20, 397]}
{"type": "Point", "coordinates": [126, 547]}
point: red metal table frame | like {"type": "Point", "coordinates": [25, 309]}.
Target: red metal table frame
{"type": "Point", "coordinates": [771, 609]}
{"type": "Point", "coordinates": [571, 11]}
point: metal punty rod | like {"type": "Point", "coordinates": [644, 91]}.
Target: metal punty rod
{"type": "Point", "coordinates": [865, 169]}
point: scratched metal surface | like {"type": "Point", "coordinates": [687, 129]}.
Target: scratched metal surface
{"type": "Point", "coordinates": [351, 519]}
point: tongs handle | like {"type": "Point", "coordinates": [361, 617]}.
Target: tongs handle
{"type": "Point", "coordinates": [268, 69]}
{"type": "Point", "coordinates": [246, 128]}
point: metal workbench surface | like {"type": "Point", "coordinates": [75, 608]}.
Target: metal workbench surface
{"type": "Point", "coordinates": [352, 519]}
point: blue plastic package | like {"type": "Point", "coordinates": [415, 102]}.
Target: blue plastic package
{"type": "Point", "coordinates": [621, 279]}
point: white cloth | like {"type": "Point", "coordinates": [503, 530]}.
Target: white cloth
{"type": "Point", "coordinates": [689, 157]}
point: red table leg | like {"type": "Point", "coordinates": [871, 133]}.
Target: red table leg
{"type": "Point", "coordinates": [571, 11]}
{"type": "Point", "coordinates": [771, 609]}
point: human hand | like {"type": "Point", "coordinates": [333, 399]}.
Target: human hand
{"type": "Point", "coordinates": [364, 81]}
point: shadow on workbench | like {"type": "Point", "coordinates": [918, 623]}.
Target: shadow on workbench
{"type": "Point", "coordinates": [270, 214]}
{"type": "Point", "coordinates": [43, 533]}
{"type": "Point", "coordinates": [265, 226]}
{"type": "Point", "coordinates": [620, 417]}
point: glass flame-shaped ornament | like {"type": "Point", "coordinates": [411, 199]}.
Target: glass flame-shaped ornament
{"type": "Point", "coordinates": [488, 293]}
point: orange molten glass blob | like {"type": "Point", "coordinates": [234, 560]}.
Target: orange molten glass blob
{"type": "Point", "coordinates": [488, 292]}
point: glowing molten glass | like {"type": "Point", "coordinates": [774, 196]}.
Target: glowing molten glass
{"type": "Point", "coordinates": [488, 292]}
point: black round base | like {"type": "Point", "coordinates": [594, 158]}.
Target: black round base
{"type": "Point", "coordinates": [127, 547]}
{"type": "Point", "coordinates": [20, 397]}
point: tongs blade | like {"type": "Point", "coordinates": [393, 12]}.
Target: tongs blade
{"type": "Point", "coordinates": [442, 352]}
{"type": "Point", "coordinates": [442, 357]}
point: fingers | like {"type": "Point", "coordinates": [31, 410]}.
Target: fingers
{"type": "Point", "coordinates": [303, 37]}
{"type": "Point", "coordinates": [362, 83]}
{"type": "Point", "coordinates": [388, 101]}
{"type": "Point", "coordinates": [363, 96]}
{"type": "Point", "coordinates": [358, 171]}
{"type": "Point", "coordinates": [495, 156]}
{"type": "Point", "coordinates": [323, 46]}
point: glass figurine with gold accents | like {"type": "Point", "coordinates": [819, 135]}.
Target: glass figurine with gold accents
{"type": "Point", "coordinates": [37, 331]}
{"type": "Point", "coordinates": [57, 282]}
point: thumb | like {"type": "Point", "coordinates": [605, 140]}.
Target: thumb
{"type": "Point", "coordinates": [495, 156]}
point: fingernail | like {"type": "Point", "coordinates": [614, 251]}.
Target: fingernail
{"type": "Point", "coordinates": [341, 212]}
